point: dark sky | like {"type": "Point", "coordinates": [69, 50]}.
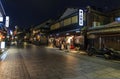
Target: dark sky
{"type": "Point", "coordinates": [25, 13]}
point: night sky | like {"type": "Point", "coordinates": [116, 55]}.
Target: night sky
{"type": "Point", "coordinates": [26, 13]}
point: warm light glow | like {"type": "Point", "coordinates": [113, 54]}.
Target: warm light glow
{"type": "Point", "coordinates": [1, 36]}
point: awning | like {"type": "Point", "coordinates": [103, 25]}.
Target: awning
{"type": "Point", "coordinates": [110, 25]}
{"type": "Point", "coordinates": [109, 28]}
{"type": "Point", "coordinates": [70, 32]}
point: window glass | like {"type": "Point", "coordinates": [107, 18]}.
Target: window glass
{"type": "Point", "coordinates": [55, 26]}
{"type": "Point", "coordinates": [74, 19]}
{"type": "Point", "coordinates": [67, 21]}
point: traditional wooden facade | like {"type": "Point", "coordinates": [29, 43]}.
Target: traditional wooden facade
{"type": "Point", "coordinates": [67, 26]}
{"type": "Point", "coordinates": [107, 34]}
{"type": "Point", "coordinates": [67, 22]}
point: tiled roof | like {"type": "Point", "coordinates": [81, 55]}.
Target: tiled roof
{"type": "Point", "coordinates": [68, 12]}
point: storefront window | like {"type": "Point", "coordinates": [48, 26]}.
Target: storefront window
{"type": "Point", "coordinates": [79, 40]}
{"type": "Point", "coordinates": [62, 23]}
{"type": "Point", "coordinates": [74, 19]}
{"type": "Point", "coordinates": [55, 26]}
{"type": "Point", "coordinates": [67, 21]}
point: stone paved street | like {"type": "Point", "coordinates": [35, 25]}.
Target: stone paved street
{"type": "Point", "coordinates": [32, 62]}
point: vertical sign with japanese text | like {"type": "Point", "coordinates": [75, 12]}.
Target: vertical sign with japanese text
{"type": "Point", "coordinates": [80, 17]}
{"type": "Point", "coordinates": [7, 21]}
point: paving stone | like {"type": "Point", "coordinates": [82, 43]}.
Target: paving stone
{"type": "Point", "coordinates": [47, 63]}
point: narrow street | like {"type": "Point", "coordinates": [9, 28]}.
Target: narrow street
{"type": "Point", "coordinates": [33, 62]}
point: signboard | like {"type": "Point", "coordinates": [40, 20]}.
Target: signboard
{"type": "Point", "coordinates": [1, 19]}
{"type": "Point", "coordinates": [7, 21]}
{"type": "Point", "coordinates": [2, 45]}
{"type": "Point", "coordinates": [80, 17]}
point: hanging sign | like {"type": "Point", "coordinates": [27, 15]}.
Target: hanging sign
{"type": "Point", "coordinates": [80, 17]}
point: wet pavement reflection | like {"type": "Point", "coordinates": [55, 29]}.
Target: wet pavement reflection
{"type": "Point", "coordinates": [47, 64]}
{"type": "Point", "coordinates": [39, 62]}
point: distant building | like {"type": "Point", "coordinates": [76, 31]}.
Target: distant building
{"type": "Point", "coordinates": [39, 33]}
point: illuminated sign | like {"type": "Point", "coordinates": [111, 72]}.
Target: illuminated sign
{"type": "Point", "coordinates": [7, 21]}
{"type": "Point", "coordinates": [11, 33]}
{"type": "Point", "coordinates": [1, 19]}
{"type": "Point", "coordinates": [2, 45]}
{"type": "Point", "coordinates": [80, 17]}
